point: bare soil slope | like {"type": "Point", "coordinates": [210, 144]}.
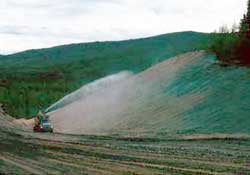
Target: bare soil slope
{"type": "Point", "coordinates": [133, 104]}
{"type": "Point", "coordinates": [187, 94]}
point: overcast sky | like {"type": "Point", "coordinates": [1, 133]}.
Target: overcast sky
{"type": "Point", "coordinates": [28, 24]}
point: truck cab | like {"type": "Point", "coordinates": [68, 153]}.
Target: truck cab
{"type": "Point", "coordinates": [42, 123]}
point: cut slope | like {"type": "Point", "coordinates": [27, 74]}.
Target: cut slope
{"type": "Point", "coordinates": [185, 94]}
{"type": "Point", "coordinates": [131, 105]}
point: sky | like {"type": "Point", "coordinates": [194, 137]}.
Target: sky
{"type": "Point", "coordinates": [31, 24]}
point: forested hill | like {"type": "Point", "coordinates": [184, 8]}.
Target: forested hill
{"type": "Point", "coordinates": [40, 77]}
{"type": "Point", "coordinates": [147, 50]}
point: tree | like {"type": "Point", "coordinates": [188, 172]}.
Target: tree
{"type": "Point", "coordinates": [242, 23]}
{"type": "Point", "coordinates": [245, 22]}
{"type": "Point", "coordinates": [248, 9]}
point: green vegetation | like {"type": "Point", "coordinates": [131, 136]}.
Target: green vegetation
{"type": "Point", "coordinates": [224, 47]}
{"type": "Point", "coordinates": [234, 47]}
{"type": "Point", "coordinates": [41, 77]}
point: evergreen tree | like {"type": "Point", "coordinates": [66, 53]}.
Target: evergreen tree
{"type": "Point", "coordinates": [243, 24]}
{"type": "Point", "coordinates": [243, 47]}
{"type": "Point", "coordinates": [245, 27]}
{"type": "Point", "coordinates": [248, 10]}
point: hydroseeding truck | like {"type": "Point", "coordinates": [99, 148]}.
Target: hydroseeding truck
{"type": "Point", "coordinates": [42, 123]}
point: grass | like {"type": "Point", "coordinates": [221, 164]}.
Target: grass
{"type": "Point", "coordinates": [41, 77]}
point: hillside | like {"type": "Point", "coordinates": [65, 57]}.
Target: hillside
{"type": "Point", "coordinates": [187, 94]}
{"type": "Point", "coordinates": [41, 77]}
